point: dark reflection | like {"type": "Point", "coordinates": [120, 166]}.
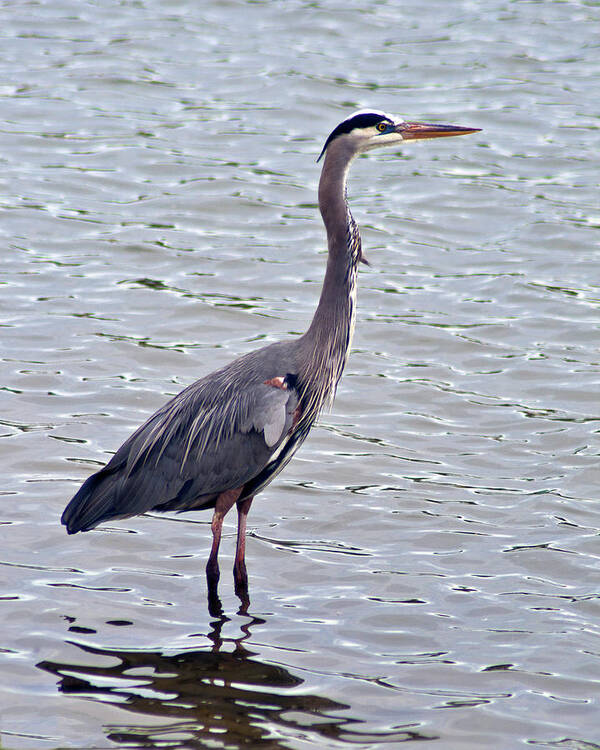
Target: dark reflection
{"type": "Point", "coordinates": [208, 698]}
{"type": "Point", "coordinates": [215, 607]}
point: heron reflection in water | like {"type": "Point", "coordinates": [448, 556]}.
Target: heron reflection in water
{"type": "Point", "coordinates": [225, 694]}
{"type": "Point", "coordinates": [224, 438]}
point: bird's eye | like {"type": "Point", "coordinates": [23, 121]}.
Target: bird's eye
{"type": "Point", "coordinates": [381, 126]}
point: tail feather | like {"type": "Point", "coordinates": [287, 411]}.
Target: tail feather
{"type": "Point", "coordinates": [93, 503]}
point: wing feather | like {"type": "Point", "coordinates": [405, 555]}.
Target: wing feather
{"type": "Point", "coordinates": [215, 435]}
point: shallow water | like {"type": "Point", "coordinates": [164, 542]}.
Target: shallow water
{"type": "Point", "coordinates": [426, 567]}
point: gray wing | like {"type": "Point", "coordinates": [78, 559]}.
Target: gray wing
{"type": "Point", "coordinates": [215, 435]}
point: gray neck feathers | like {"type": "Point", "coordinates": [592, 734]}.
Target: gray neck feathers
{"type": "Point", "coordinates": [324, 347]}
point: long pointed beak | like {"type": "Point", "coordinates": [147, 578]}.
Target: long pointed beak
{"type": "Point", "coordinates": [412, 131]}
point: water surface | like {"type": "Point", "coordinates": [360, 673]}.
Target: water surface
{"type": "Point", "coordinates": [426, 567]}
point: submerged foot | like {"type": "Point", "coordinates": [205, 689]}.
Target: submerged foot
{"type": "Point", "coordinates": [240, 579]}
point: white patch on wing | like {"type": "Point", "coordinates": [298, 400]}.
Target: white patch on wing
{"type": "Point", "coordinates": [279, 449]}
{"type": "Point", "coordinates": [275, 424]}
{"type": "Point", "coordinates": [267, 413]}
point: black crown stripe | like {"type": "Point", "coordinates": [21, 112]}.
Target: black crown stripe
{"type": "Point", "coordinates": [362, 120]}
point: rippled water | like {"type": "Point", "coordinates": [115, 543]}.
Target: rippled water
{"type": "Point", "coordinates": [427, 566]}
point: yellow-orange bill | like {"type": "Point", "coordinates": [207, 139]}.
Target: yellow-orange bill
{"type": "Point", "coordinates": [412, 131]}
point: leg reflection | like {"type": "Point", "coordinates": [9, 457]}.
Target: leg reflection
{"type": "Point", "coordinates": [215, 607]}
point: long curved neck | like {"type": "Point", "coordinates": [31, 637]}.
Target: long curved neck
{"type": "Point", "coordinates": [327, 341]}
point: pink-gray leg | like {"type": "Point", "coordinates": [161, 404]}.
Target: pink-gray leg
{"type": "Point", "coordinates": [225, 502]}
{"type": "Point", "coordinates": [240, 576]}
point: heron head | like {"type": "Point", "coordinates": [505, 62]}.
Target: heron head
{"type": "Point", "coordinates": [368, 129]}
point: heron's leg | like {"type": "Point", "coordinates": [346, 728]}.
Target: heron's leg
{"type": "Point", "coordinates": [224, 503]}
{"type": "Point", "coordinates": [240, 576]}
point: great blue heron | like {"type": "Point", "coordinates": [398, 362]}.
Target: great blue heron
{"type": "Point", "coordinates": [226, 436]}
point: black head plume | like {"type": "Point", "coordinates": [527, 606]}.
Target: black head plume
{"type": "Point", "coordinates": [362, 119]}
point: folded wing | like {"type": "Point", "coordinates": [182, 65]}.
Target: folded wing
{"type": "Point", "coordinates": [214, 436]}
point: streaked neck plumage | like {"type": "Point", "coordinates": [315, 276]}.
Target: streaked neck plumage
{"type": "Point", "coordinates": [326, 344]}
